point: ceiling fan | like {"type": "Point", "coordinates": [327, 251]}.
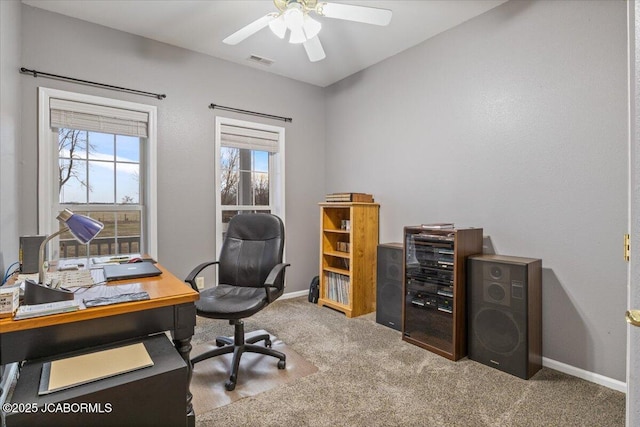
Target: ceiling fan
{"type": "Point", "coordinates": [294, 15]}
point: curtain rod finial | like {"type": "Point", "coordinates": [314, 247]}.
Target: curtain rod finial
{"type": "Point", "coordinates": [25, 71]}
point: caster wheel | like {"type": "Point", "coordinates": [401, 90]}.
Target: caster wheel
{"type": "Point", "coordinates": [229, 385]}
{"type": "Point", "coordinates": [267, 343]}
{"type": "Point", "coordinates": [219, 343]}
{"type": "Point", "coordinates": [282, 364]}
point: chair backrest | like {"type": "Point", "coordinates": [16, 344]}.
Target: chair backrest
{"type": "Point", "coordinates": [253, 245]}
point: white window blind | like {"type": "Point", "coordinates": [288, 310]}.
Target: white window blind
{"type": "Point", "coordinates": [252, 139]}
{"type": "Point", "coordinates": [97, 118]}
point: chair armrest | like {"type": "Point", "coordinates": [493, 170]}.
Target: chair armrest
{"type": "Point", "coordinates": [191, 278]}
{"type": "Point", "coordinates": [273, 276]}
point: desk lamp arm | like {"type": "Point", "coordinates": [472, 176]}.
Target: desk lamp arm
{"type": "Point", "coordinates": [43, 246]}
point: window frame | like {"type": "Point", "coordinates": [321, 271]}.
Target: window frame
{"type": "Point", "coordinates": [276, 173]}
{"type": "Point", "coordinates": [48, 200]}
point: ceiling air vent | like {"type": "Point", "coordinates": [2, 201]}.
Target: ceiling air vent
{"type": "Point", "coordinates": [261, 60]}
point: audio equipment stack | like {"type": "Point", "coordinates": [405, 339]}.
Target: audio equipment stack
{"type": "Point", "coordinates": [434, 307]}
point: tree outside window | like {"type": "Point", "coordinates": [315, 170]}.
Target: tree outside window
{"type": "Point", "coordinates": [99, 176]}
{"type": "Point", "coordinates": [244, 178]}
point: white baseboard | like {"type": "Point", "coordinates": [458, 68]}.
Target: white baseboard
{"type": "Point", "coordinates": [585, 375]}
{"type": "Point", "coordinates": [295, 294]}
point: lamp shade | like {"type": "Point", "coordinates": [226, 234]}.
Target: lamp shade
{"type": "Point", "coordinates": [83, 228]}
{"type": "Point", "coordinates": [278, 26]}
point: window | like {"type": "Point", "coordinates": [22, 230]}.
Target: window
{"type": "Point", "coordinates": [250, 178]}
{"type": "Point", "coordinates": [97, 158]}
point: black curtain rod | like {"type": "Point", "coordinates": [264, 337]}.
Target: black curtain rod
{"type": "Point", "coordinates": [36, 73]}
{"type": "Point", "coordinates": [253, 113]}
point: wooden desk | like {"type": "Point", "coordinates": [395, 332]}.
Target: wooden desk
{"type": "Point", "coordinates": [170, 308]}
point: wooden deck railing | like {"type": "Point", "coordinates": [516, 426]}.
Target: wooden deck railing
{"type": "Point", "coordinates": [70, 248]}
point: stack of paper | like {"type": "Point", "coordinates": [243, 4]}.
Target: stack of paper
{"type": "Point", "coordinates": [37, 310]}
{"type": "Point", "coordinates": [72, 371]}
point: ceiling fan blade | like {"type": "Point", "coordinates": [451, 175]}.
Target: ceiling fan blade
{"type": "Point", "coordinates": [365, 14]}
{"type": "Point", "coordinates": [314, 49]}
{"type": "Point", "coordinates": [250, 29]}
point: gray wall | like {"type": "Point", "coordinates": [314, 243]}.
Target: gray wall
{"type": "Point", "coordinates": [192, 81]}
{"type": "Point", "coordinates": [9, 132]}
{"type": "Point", "coordinates": [516, 122]}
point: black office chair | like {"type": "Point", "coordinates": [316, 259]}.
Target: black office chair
{"type": "Point", "coordinates": [250, 277]}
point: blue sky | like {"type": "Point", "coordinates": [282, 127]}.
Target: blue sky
{"type": "Point", "coordinates": [109, 157]}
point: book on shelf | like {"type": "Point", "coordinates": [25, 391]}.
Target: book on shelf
{"type": "Point", "coordinates": [349, 197]}
{"type": "Point", "coordinates": [37, 310]}
{"type": "Point", "coordinates": [343, 246]}
{"type": "Point", "coordinates": [337, 287]}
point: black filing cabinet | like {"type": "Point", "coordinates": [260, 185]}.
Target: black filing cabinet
{"type": "Point", "coordinates": [152, 396]}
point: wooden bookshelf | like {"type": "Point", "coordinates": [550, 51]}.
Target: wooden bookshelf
{"type": "Point", "coordinates": [348, 252]}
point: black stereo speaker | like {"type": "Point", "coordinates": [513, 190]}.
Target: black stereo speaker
{"type": "Point", "coordinates": [505, 313]}
{"type": "Point", "coordinates": [389, 285]}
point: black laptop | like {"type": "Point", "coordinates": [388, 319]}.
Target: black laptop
{"type": "Point", "coordinates": [133, 270]}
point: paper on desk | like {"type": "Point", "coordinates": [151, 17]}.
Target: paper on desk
{"type": "Point", "coordinates": [46, 309]}
{"type": "Point", "coordinates": [106, 291]}
{"type": "Point", "coordinates": [113, 259]}
{"type": "Point", "coordinates": [74, 371]}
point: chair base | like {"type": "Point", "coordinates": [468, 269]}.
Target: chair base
{"type": "Point", "coordinates": [239, 345]}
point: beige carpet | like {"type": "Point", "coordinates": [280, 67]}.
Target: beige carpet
{"type": "Point", "coordinates": [367, 376]}
{"type": "Point", "coordinates": [258, 373]}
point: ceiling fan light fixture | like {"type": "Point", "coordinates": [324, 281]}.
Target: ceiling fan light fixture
{"type": "Point", "coordinates": [278, 26]}
{"type": "Point", "coordinates": [311, 27]}
{"type": "Point", "coordinates": [294, 16]}
{"type": "Point", "coordinates": [297, 36]}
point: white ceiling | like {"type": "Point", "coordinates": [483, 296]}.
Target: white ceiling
{"type": "Point", "coordinates": [202, 25]}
